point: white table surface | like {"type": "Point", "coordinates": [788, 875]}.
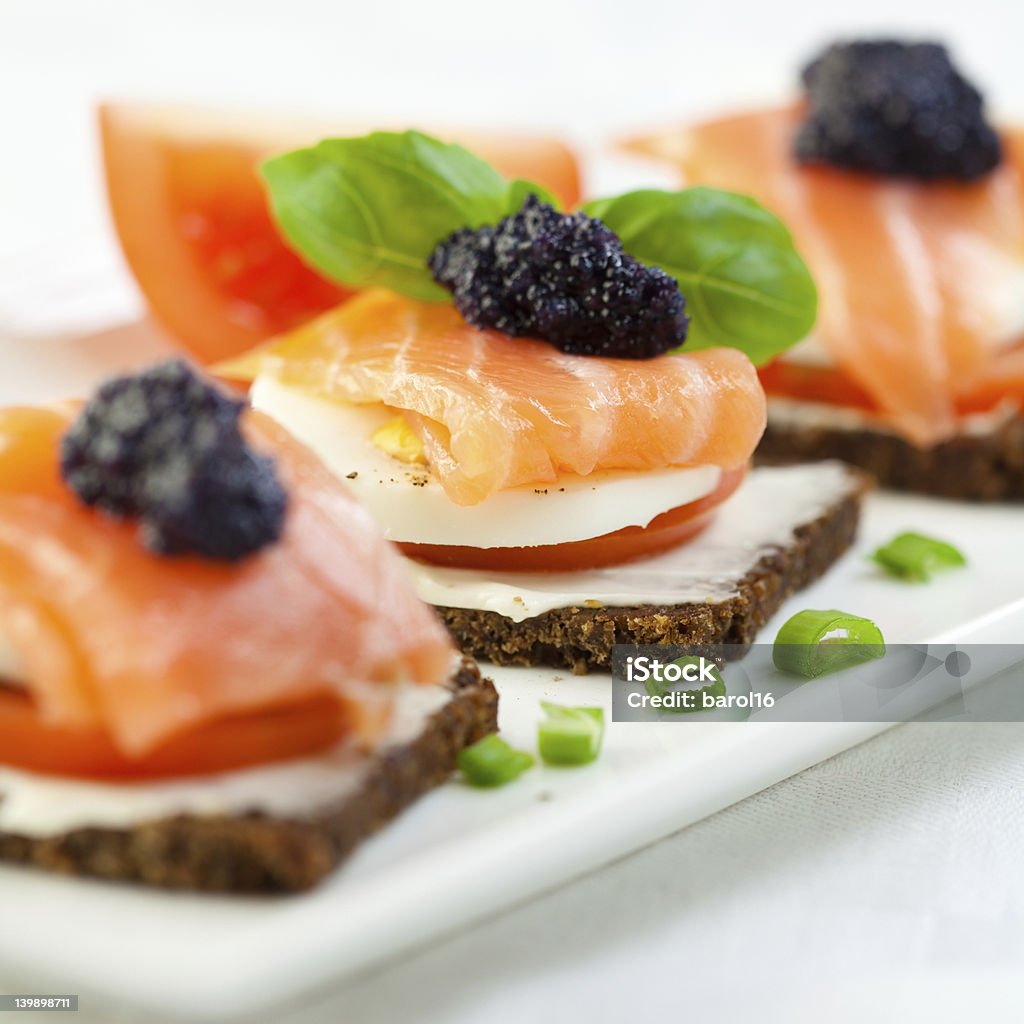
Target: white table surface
{"type": "Point", "coordinates": [885, 884]}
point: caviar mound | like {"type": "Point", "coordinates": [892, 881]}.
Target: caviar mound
{"type": "Point", "coordinates": [165, 447]}
{"type": "Point", "coordinates": [900, 109]}
{"type": "Point", "coordinates": [562, 278]}
{"type": "Point", "coordinates": [236, 507]}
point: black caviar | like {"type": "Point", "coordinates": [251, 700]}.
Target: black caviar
{"type": "Point", "coordinates": [563, 278]}
{"type": "Point", "coordinates": [164, 447]}
{"type": "Point", "coordinates": [894, 108]}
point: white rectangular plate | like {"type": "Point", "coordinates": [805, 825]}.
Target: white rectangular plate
{"type": "Point", "coordinates": [461, 854]}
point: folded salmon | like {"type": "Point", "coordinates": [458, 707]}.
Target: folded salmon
{"type": "Point", "coordinates": [914, 279]}
{"type": "Point", "coordinates": [494, 413]}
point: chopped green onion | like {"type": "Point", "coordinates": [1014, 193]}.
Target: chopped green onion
{"type": "Point", "coordinates": [658, 687]}
{"type": "Point", "coordinates": [913, 556]}
{"type": "Point", "coordinates": [570, 735]}
{"type": "Point", "coordinates": [492, 762]}
{"type": "Point", "coordinates": [817, 643]}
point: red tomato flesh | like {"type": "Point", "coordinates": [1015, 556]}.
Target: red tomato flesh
{"type": "Point", "coordinates": [276, 734]}
{"type": "Point", "coordinates": [668, 530]}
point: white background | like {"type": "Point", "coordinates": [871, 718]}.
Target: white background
{"type": "Point", "coordinates": [886, 884]}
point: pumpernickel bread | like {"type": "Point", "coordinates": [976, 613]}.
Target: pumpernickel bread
{"type": "Point", "coordinates": [254, 852]}
{"type": "Point", "coordinates": [581, 638]}
{"type": "Point", "coordinates": [983, 463]}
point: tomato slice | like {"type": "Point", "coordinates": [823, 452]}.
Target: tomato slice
{"type": "Point", "coordinates": [193, 222]}
{"type": "Point", "coordinates": [813, 384]}
{"type": "Point", "coordinates": [272, 735]}
{"type": "Point", "coordinates": [668, 530]}
{"type": "Point", "coordinates": [1002, 379]}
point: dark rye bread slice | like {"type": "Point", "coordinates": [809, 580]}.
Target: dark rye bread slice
{"type": "Point", "coordinates": [256, 853]}
{"type": "Point", "coordinates": [581, 638]}
{"type": "Point", "coordinates": [982, 466]}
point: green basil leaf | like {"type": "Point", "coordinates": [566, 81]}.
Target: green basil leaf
{"type": "Point", "coordinates": [369, 211]}
{"type": "Point", "coordinates": [744, 282]}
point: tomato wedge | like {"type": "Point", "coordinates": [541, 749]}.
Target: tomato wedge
{"type": "Point", "coordinates": [193, 222]}
{"type": "Point", "coordinates": [278, 734]}
{"type": "Point", "coordinates": [666, 531]}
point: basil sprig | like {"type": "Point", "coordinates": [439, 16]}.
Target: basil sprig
{"type": "Point", "coordinates": [745, 284]}
{"type": "Point", "coordinates": [369, 211]}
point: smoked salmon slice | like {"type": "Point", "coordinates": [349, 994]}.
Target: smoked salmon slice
{"type": "Point", "coordinates": [111, 635]}
{"type": "Point", "coordinates": [495, 412]}
{"type": "Point", "coordinates": [910, 276]}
